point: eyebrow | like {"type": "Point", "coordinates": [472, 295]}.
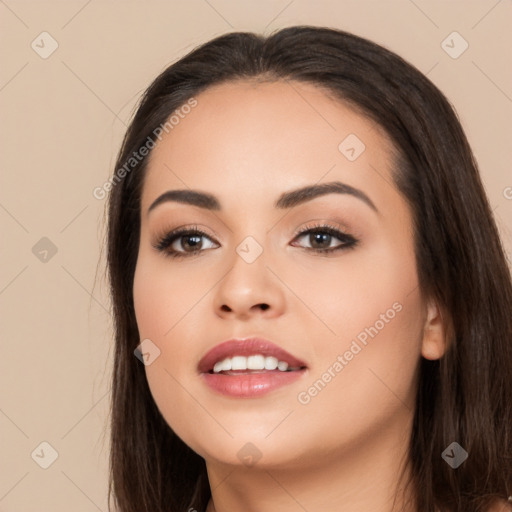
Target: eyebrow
{"type": "Point", "coordinates": [285, 200]}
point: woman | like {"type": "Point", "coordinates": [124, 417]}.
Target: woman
{"type": "Point", "coordinates": [302, 256]}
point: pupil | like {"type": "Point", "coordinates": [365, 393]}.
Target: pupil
{"type": "Point", "coordinates": [192, 241]}
{"type": "Point", "coordinates": [317, 239]}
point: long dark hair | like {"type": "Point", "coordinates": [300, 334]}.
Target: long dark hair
{"type": "Point", "coordinates": [466, 396]}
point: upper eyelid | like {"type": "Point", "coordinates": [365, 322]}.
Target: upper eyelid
{"type": "Point", "coordinates": [175, 234]}
{"type": "Point", "coordinates": [299, 231]}
{"type": "Point", "coordinates": [319, 225]}
{"type": "Point", "coordinates": [194, 228]}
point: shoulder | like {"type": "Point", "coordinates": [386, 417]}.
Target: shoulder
{"type": "Point", "coordinates": [501, 506]}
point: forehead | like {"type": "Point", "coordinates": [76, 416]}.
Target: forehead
{"type": "Point", "coordinates": [251, 139]}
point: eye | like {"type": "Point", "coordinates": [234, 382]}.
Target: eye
{"type": "Point", "coordinates": [184, 242]}
{"type": "Point", "coordinates": [325, 239]}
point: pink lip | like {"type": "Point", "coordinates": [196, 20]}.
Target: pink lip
{"type": "Point", "coordinates": [245, 385]}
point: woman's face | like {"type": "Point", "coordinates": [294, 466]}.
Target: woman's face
{"type": "Point", "coordinates": [353, 316]}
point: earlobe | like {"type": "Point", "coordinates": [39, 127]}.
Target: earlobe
{"type": "Point", "coordinates": [433, 345]}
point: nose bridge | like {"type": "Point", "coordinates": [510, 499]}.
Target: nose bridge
{"type": "Point", "coordinates": [249, 287]}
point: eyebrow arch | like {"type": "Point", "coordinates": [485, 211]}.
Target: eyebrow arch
{"type": "Point", "coordinates": [285, 200]}
{"type": "Point", "coordinates": [301, 195]}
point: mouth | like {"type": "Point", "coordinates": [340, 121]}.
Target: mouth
{"type": "Point", "coordinates": [249, 367]}
{"type": "Point", "coordinates": [252, 355]}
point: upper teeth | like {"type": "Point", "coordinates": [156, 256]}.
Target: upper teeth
{"type": "Point", "coordinates": [255, 362]}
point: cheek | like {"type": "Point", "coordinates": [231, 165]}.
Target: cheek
{"type": "Point", "coordinates": [165, 301]}
{"type": "Point", "coordinates": [348, 293]}
{"type": "Point", "coordinates": [367, 371]}
{"type": "Point", "coordinates": [166, 309]}
{"type": "Point", "coordinates": [164, 296]}
{"type": "Point", "coordinates": [366, 383]}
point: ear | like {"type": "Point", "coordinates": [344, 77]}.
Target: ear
{"type": "Point", "coordinates": [433, 345]}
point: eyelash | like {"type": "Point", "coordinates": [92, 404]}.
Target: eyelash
{"type": "Point", "coordinates": [163, 243]}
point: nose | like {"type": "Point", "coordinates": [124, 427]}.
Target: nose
{"type": "Point", "coordinates": [249, 290]}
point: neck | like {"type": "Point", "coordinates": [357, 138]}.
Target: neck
{"type": "Point", "coordinates": [361, 478]}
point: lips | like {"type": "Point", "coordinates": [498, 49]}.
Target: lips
{"type": "Point", "coordinates": [246, 347]}
{"type": "Point", "coordinates": [280, 369]}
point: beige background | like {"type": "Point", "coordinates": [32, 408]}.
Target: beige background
{"type": "Point", "coordinates": [62, 122]}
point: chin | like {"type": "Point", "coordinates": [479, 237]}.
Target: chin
{"type": "Point", "coordinates": [249, 449]}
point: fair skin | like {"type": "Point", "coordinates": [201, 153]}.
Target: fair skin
{"type": "Point", "coordinates": [247, 143]}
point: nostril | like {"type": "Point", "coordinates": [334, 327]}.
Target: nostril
{"type": "Point", "coordinates": [262, 306]}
